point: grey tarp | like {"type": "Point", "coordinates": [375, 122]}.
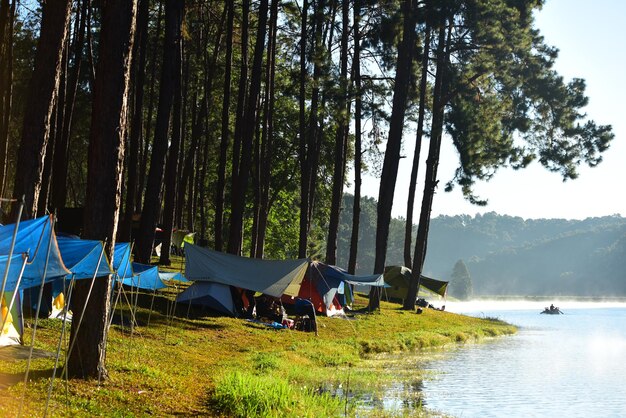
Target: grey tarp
{"type": "Point", "coordinates": [272, 277]}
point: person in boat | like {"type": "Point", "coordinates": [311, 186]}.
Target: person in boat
{"type": "Point", "coordinates": [552, 308]}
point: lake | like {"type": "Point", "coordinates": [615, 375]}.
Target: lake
{"type": "Point", "coordinates": [571, 365]}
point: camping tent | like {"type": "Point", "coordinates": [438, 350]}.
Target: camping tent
{"type": "Point", "coordinates": [145, 277]}
{"type": "Point", "coordinates": [214, 273]}
{"type": "Point", "coordinates": [217, 296]}
{"type": "Point", "coordinates": [272, 277]}
{"type": "Point", "coordinates": [36, 259]}
{"type": "Point", "coordinates": [34, 238]}
{"type": "Point", "coordinates": [323, 283]}
{"type": "Point", "coordinates": [399, 277]}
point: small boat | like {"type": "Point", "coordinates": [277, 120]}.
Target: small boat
{"type": "Point", "coordinates": [552, 310]}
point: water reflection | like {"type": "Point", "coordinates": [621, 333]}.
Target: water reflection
{"type": "Point", "coordinates": [566, 365]}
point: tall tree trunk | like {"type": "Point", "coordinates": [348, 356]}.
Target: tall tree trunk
{"type": "Point", "coordinates": [7, 19]}
{"type": "Point", "coordinates": [340, 143]}
{"type": "Point", "coordinates": [358, 106]}
{"type": "Point", "coordinates": [152, 201]}
{"type": "Point", "coordinates": [141, 181]}
{"type": "Point", "coordinates": [267, 149]}
{"type": "Point", "coordinates": [138, 78]}
{"type": "Point", "coordinates": [241, 100]}
{"type": "Point", "coordinates": [394, 141]}
{"type": "Point", "coordinates": [171, 168]}
{"type": "Point", "coordinates": [105, 165]}
{"type": "Point", "coordinates": [221, 174]}
{"type": "Point", "coordinates": [61, 154]}
{"type": "Point", "coordinates": [302, 142]}
{"type": "Point", "coordinates": [42, 91]}
{"type": "Point", "coordinates": [314, 131]}
{"type": "Point", "coordinates": [432, 163]}
{"type": "Point", "coordinates": [240, 185]}
{"type": "Point", "coordinates": [408, 231]}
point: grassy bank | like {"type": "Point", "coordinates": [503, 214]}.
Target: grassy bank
{"type": "Point", "coordinates": [215, 366]}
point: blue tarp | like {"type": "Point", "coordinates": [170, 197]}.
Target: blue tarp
{"type": "Point", "coordinates": [82, 256]}
{"type": "Point", "coordinates": [121, 260]}
{"type": "Point", "coordinates": [146, 277]}
{"type": "Point", "coordinates": [172, 276]}
{"type": "Point", "coordinates": [34, 237]}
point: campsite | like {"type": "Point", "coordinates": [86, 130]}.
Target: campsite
{"type": "Point", "coordinates": [165, 333]}
{"type": "Point", "coordinates": [261, 207]}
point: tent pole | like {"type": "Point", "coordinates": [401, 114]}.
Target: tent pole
{"type": "Point", "coordinates": [13, 297]}
{"type": "Point", "coordinates": [34, 333]}
{"type": "Point", "coordinates": [82, 314]}
{"type": "Point", "coordinates": [61, 338]}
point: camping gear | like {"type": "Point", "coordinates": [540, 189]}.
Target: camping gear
{"type": "Point", "coordinates": [325, 287]}
{"type": "Point", "coordinates": [271, 277]}
{"type": "Point", "coordinates": [217, 296]}
{"type": "Point", "coordinates": [399, 277]}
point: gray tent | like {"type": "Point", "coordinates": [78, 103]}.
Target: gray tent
{"type": "Point", "coordinates": [214, 295]}
{"type": "Point", "coordinates": [272, 277]}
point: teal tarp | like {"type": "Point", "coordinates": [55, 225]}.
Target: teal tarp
{"type": "Point", "coordinates": [83, 257]}
{"type": "Point", "coordinates": [146, 277]}
{"type": "Point", "coordinates": [34, 237]}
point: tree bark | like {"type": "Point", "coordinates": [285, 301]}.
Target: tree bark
{"type": "Point", "coordinates": [61, 154]}
{"type": "Point", "coordinates": [141, 181]}
{"type": "Point", "coordinates": [358, 105]}
{"type": "Point", "coordinates": [7, 19]}
{"type": "Point", "coordinates": [268, 142]}
{"type": "Point", "coordinates": [138, 78]}
{"type": "Point", "coordinates": [152, 201]}
{"type": "Point", "coordinates": [240, 183]}
{"type": "Point", "coordinates": [42, 92]}
{"type": "Point", "coordinates": [105, 165]}
{"type": "Point", "coordinates": [394, 141]}
{"type": "Point", "coordinates": [340, 143]}
{"type": "Point", "coordinates": [408, 231]}
{"type": "Point", "coordinates": [221, 174]}
{"type": "Point", "coordinates": [171, 168]}
{"type": "Point", "coordinates": [432, 163]}
{"type": "Point", "coordinates": [302, 142]}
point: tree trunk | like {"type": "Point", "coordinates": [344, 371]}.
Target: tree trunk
{"type": "Point", "coordinates": [394, 142]}
{"type": "Point", "coordinates": [240, 183]}
{"type": "Point", "coordinates": [268, 142]}
{"type": "Point", "coordinates": [61, 154]}
{"type": "Point", "coordinates": [358, 105]}
{"type": "Point", "coordinates": [221, 175]}
{"type": "Point", "coordinates": [141, 181]}
{"type": "Point", "coordinates": [408, 231]}
{"type": "Point", "coordinates": [302, 147]}
{"type": "Point", "coordinates": [136, 127]}
{"type": "Point", "coordinates": [42, 91]}
{"type": "Point", "coordinates": [105, 165]}
{"type": "Point", "coordinates": [340, 143]}
{"type": "Point", "coordinates": [432, 163]}
{"type": "Point", "coordinates": [171, 169]}
{"type": "Point", "coordinates": [7, 19]}
{"type": "Point", "coordinates": [152, 201]}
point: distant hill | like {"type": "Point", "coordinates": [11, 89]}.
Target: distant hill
{"type": "Point", "coordinates": [509, 255]}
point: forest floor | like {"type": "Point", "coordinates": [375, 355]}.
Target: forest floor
{"type": "Point", "coordinates": [193, 363]}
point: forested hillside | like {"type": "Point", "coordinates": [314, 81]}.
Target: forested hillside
{"type": "Point", "coordinates": [511, 256]}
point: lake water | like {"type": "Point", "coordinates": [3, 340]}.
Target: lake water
{"type": "Point", "coordinates": [571, 365]}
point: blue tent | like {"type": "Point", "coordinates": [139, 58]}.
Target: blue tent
{"type": "Point", "coordinates": [82, 256]}
{"type": "Point", "coordinates": [166, 276]}
{"type": "Point", "coordinates": [33, 238]}
{"type": "Point", "coordinates": [121, 260]}
{"type": "Point", "coordinates": [146, 277]}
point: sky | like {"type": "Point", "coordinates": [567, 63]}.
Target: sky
{"type": "Point", "coordinates": [590, 37]}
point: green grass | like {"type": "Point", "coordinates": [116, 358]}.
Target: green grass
{"type": "Point", "coordinates": [214, 366]}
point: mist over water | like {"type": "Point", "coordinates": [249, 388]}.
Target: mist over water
{"type": "Point", "coordinates": [570, 365]}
